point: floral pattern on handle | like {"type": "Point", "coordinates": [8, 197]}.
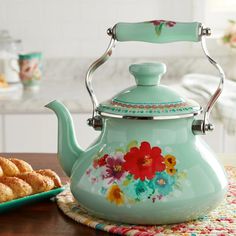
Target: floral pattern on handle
{"type": "Point", "coordinates": [140, 172]}
{"type": "Point", "coordinates": [160, 23]}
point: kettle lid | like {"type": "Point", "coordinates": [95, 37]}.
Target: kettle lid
{"type": "Point", "coordinates": [149, 98]}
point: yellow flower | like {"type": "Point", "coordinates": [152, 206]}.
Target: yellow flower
{"type": "Point", "coordinates": [170, 170]}
{"type": "Point", "coordinates": [115, 195]}
{"type": "Point", "coordinates": [131, 201]}
{"type": "Point", "coordinates": [126, 182]}
{"type": "Point", "coordinates": [170, 160]}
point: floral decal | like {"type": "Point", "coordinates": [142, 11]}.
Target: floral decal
{"type": "Point", "coordinates": [144, 162]}
{"type": "Point", "coordinates": [115, 167]}
{"type": "Point", "coordinates": [135, 173]}
{"type": "Point", "coordinates": [115, 195]}
{"type": "Point", "coordinates": [160, 23]}
{"type": "Point", "coordinates": [229, 37]}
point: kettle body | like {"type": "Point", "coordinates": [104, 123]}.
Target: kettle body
{"type": "Point", "coordinates": [184, 183]}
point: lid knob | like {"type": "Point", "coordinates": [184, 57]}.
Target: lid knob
{"type": "Point", "coordinates": [147, 74]}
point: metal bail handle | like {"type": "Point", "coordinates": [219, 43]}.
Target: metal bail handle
{"type": "Point", "coordinates": [157, 31]}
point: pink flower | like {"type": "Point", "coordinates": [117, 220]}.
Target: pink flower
{"type": "Point", "coordinates": [94, 180]}
{"type": "Point", "coordinates": [157, 22]}
{"type": "Point", "coordinates": [170, 23]}
{"type": "Point", "coordinates": [233, 40]}
{"type": "Point", "coordinates": [114, 167]}
{"type": "Point", "coordinates": [88, 172]}
{"type": "Point", "coordinates": [167, 23]}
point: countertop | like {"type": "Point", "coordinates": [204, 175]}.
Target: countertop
{"type": "Point", "coordinates": [63, 79]}
{"type": "Point", "coordinates": [72, 93]}
{"type": "Point", "coordinates": [23, 101]}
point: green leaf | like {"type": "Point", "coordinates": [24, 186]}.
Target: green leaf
{"type": "Point", "coordinates": [133, 143]}
{"type": "Point", "coordinates": [178, 186]}
{"type": "Point", "coordinates": [181, 175]}
{"type": "Point", "coordinates": [120, 150]}
{"type": "Point", "coordinates": [158, 28]}
{"type": "Point", "coordinates": [100, 153]}
{"type": "Point", "coordinates": [126, 182]}
{"type": "Point", "coordinates": [129, 177]}
{"type": "Point", "coordinates": [226, 38]}
{"type": "Point", "coordinates": [232, 21]}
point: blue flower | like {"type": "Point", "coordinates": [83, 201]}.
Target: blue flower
{"type": "Point", "coordinates": [141, 189]}
{"type": "Point", "coordinates": [137, 189]}
{"type": "Point", "coordinates": [163, 183]}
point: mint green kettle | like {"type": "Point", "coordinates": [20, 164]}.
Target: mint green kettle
{"type": "Point", "coordinates": [149, 165]}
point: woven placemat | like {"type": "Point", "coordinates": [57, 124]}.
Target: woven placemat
{"type": "Point", "coordinates": [220, 222]}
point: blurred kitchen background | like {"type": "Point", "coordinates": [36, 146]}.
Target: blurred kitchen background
{"type": "Point", "coordinates": [71, 34]}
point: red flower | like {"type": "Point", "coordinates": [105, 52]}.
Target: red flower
{"type": "Point", "coordinates": [167, 23]}
{"type": "Point", "coordinates": [157, 22]}
{"type": "Point", "coordinates": [170, 23]}
{"type": "Point", "coordinates": [144, 162]}
{"type": "Point", "coordinates": [100, 162]}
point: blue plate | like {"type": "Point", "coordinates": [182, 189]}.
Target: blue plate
{"type": "Point", "coordinates": [10, 205]}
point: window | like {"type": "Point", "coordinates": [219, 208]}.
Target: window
{"type": "Point", "coordinates": [215, 13]}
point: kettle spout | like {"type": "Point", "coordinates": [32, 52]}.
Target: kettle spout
{"type": "Point", "coordinates": [68, 149]}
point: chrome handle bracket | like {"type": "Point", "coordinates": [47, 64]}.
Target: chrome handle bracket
{"type": "Point", "coordinates": [96, 121]}
{"type": "Point", "coordinates": [203, 126]}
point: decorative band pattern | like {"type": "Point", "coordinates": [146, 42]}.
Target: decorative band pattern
{"type": "Point", "coordinates": [150, 106]}
{"type": "Point", "coordinates": [139, 109]}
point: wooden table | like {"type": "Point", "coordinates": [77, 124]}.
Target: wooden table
{"type": "Point", "coordinates": [42, 218]}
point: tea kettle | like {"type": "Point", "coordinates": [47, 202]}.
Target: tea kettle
{"type": "Point", "coordinates": [149, 165]}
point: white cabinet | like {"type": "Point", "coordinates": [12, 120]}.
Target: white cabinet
{"type": "Point", "coordinates": [38, 133]}
{"type": "Point", "coordinates": [84, 133]}
{"type": "Point", "coordinates": [30, 133]}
